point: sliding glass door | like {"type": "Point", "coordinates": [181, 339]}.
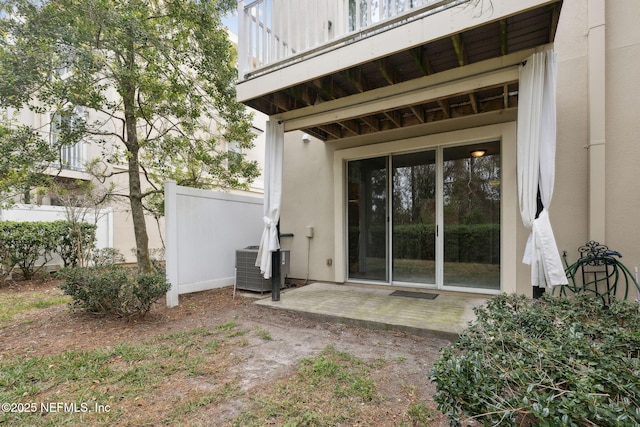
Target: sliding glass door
{"type": "Point", "coordinates": [429, 218]}
{"type": "Point", "coordinates": [367, 219]}
{"type": "Point", "coordinates": [413, 238]}
{"type": "Point", "coordinates": [471, 216]}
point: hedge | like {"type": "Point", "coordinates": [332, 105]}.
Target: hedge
{"type": "Point", "coordinates": [475, 243]}
{"type": "Point", "coordinates": [23, 244]}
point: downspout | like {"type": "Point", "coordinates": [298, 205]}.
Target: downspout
{"type": "Point", "coordinates": [597, 114]}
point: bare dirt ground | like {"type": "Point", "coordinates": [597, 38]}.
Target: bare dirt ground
{"type": "Point", "coordinates": [402, 382]}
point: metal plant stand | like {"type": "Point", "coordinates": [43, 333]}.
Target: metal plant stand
{"type": "Point", "coordinates": [598, 271]}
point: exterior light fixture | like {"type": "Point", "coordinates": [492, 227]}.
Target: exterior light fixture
{"type": "Point", "coordinates": [305, 137]}
{"type": "Point", "coordinates": [478, 153]}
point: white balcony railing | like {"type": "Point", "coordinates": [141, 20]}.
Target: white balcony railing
{"type": "Point", "coordinates": [273, 31]}
{"type": "Point", "coordinates": [72, 157]}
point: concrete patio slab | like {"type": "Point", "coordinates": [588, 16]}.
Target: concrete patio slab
{"type": "Point", "coordinates": [446, 316]}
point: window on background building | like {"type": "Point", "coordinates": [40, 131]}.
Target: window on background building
{"type": "Point", "coordinates": [235, 152]}
{"type": "Point", "coordinates": [71, 155]}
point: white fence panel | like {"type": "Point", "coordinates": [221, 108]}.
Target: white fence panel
{"type": "Point", "coordinates": [203, 231]}
{"type": "Point", "coordinates": [32, 213]}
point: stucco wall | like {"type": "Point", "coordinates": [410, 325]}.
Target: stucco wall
{"type": "Point", "coordinates": [308, 201]}
{"type": "Point", "coordinates": [570, 209]}
{"type": "Point", "coordinates": [310, 178]}
{"type": "Point", "coordinates": [313, 196]}
{"type": "Point", "coordinates": [570, 204]}
{"type": "Point", "coordinates": [623, 129]}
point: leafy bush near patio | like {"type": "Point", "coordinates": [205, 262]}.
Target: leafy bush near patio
{"type": "Point", "coordinates": [547, 362]}
{"type": "Point", "coordinates": [113, 289]}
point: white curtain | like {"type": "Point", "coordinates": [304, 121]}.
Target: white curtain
{"type": "Point", "coordinates": [270, 241]}
{"type": "Point", "coordinates": [536, 165]}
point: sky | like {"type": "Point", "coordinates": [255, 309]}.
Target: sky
{"type": "Point", "coordinates": [231, 22]}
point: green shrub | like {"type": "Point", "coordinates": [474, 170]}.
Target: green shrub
{"type": "Point", "coordinates": [146, 290]}
{"type": "Point", "coordinates": [6, 263]}
{"type": "Point", "coordinates": [112, 289]}
{"type": "Point", "coordinates": [28, 245]}
{"type": "Point", "coordinates": [75, 241]}
{"type": "Point", "coordinates": [547, 362]}
{"type": "Point", "coordinates": [107, 256]}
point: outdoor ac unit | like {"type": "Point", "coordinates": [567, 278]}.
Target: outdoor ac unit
{"type": "Point", "coordinates": [248, 276]}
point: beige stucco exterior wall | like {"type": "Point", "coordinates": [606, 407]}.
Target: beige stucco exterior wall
{"type": "Point", "coordinates": [312, 174]}
{"type": "Point", "coordinates": [570, 204]}
{"type": "Point", "coordinates": [571, 212]}
{"type": "Point", "coordinates": [307, 200]}
{"type": "Point", "coordinates": [623, 129]}
{"type": "Point", "coordinates": [313, 195]}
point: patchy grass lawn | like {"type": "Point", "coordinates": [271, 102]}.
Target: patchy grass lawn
{"type": "Point", "coordinates": [334, 388]}
{"type": "Point", "coordinates": [112, 386]}
{"type": "Point", "coordinates": [213, 361]}
{"type": "Point", "coordinates": [109, 385]}
{"type": "Point", "coordinates": [15, 303]}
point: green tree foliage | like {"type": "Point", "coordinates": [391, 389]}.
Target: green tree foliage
{"type": "Point", "coordinates": [24, 155]}
{"type": "Point", "coordinates": [159, 75]}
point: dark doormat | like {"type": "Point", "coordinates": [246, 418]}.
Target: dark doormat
{"type": "Point", "coordinates": [410, 294]}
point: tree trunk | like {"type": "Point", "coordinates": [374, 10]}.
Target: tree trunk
{"type": "Point", "coordinates": [137, 210]}
{"type": "Point", "coordinates": [135, 187]}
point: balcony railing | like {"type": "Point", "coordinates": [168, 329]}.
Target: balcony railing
{"type": "Point", "coordinates": [273, 32]}
{"type": "Point", "coordinates": [72, 157]}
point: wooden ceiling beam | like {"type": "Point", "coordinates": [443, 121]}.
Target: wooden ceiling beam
{"type": "Point", "coordinates": [395, 117]}
{"type": "Point", "coordinates": [372, 121]}
{"type": "Point", "coordinates": [388, 72]}
{"type": "Point", "coordinates": [282, 101]}
{"type": "Point", "coordinates": [505, 96]}
{"type": "Point", "coordinates": [555, 17]}
{"type": "Point", "coordinates": [357, 78]}
{"type": "Point", "coordinates": [351, 125]}
{"type": "Point", "coordinates": [474, 102]}
{"type": "Point", "coordinates": [304, 94]}
{"type": "Point", "coordinates": [421, 60]}
{"type": "Point", "coordinates": [419, 113]}
{"type": "Point", "coordinates": [263, 104]}
{"type": "Point", "coordinates": [332, 130]}
{"type": "Point", "coordinates": [445, 107]}
{"type": "Point", "coordinates": [504, 37]}
{"type": "Point", "coordinates": [460, 49]}
{"type": "Point", "coordinates": [316, 133]}
{"type": "Point", "coordinates": [327, 90]}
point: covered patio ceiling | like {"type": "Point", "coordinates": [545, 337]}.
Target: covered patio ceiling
{"type": "Point", "coordinates": [517, 33]}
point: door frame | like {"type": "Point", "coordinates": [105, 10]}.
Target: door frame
{"type": "Point", "coordinates": [504, 132]}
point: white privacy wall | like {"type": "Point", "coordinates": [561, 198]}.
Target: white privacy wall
{"type": "Point", "coordinates": [203, 231]}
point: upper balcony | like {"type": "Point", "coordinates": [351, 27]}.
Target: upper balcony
{"type": "Point", "coordinates": [278, 31]}
{"type": "Point", "coordinates": [295, 55]}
